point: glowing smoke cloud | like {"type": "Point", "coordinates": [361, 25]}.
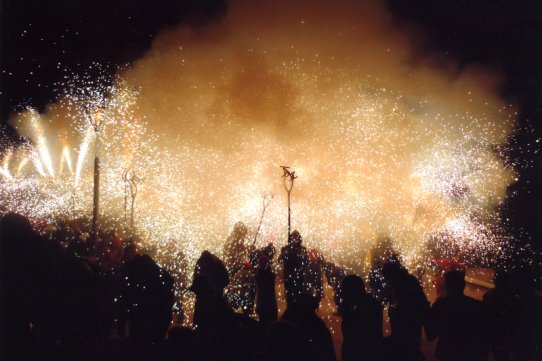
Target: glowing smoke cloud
{"type": "Point", "coordinates": [386, 142]}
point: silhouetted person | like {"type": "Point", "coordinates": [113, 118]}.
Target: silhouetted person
{"type": "Point", "coordinates": [444, 265]}
{"type": "Point", "coordinates": [180, 345]}
{"type": "Point", "coordinates": [242, 289]}
{"type": "Point", "coordinates": [267, 251]}
{"type": "Point", "coordinates": [295, 259]}
{"type": "Point", "coordinates": [334, 275]}
{"type": "Point", "coordinates": [209, 280]}
{"type": "Point", "coordinates": [362, 322]}
{"type": "Point", "coordinates": [266, 301]}
{"type": "Point", "coordinates": [149, 296]}
{"type": "Point", "coordinates": [313, 276]}
{"type": "Point", "coordinates": [109, 253]}
{"type": "Point", "coordinates": [379, 287]}
{"type": "Point", "coordinates": [501, 305]}
{"type": "Point", "coordinates": [282, 343]}
{"type": "Point", "coordinates": [175, 262]}
{"type": "Point", "coordinates": [81, 246]}
{"type": "Point", "coordinates": [527, 336]}
{"type": "Point", "coordinates": [458, 322]}
{"type": "Point", "coordinates": [130, 251]}
{"type": "Point", "coordinates": [236, 250]}
{"type": "Point", "coordinates": [25, 275]}
{"type": "Point", "coordinates": [53, 310]}
{"type": "Point", "coordinates": [315, 343]}
{"type": "Point", "coordinates": [63, 234]}
{"type": "Point", "coordinates": [87, 308]}
{"type": "Point", "coordinates": [382, 252]}
{"type": "Point", "coordinates": [221, 334]}
{"type": "Point", "coordinates": [407, 309]}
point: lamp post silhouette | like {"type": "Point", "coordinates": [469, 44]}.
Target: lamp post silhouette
{"type": "Point", "coordinates": [95, 120]}
{"type": "Point", "coordinates": [289, 178]}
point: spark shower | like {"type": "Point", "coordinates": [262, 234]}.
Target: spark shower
{"type": "Point", "coordinates": [387, 139]}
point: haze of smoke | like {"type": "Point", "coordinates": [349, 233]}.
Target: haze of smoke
{"type": "Point", "coordinates": [335, 90]}
{"type": "Point", "coordinates": [386, 142]}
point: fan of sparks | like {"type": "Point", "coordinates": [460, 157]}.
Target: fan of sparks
{"type": "Point", "coordinates": [371, 164]}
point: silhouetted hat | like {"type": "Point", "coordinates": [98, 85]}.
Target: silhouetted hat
{"type": "Point", "coordinates": [352, 285]}
{"type": "Point", "coordinates": [263, 262]}
{"type": "Point", "coordinates": [211, 267]}
{"type": "Point", "coordinates": [201, 284]}
{"type": "Point", "coordinates": [454, 281]}
{"type": "Point", "coordinates": [13, 224]}
{"type": "Point", "coordinates": [295, 236]}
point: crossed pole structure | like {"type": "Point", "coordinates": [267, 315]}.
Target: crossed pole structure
{"type": "Point", "coordinates": [266, 199]}
{"type": "Point", "coordinates": [289, 178]}
{"type": "Point", "coordinates": [131, 181]}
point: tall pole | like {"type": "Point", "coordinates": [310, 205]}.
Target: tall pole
{"type": "Point", "coordinates": [96, 203]}
{"type": "Point", "coordinates": [126, 187]}
{"type": "Point", "coordinates": [289, 218]}
{"type": "Point", "coordinates": [130, 185]}
{"type": "Point", "coordinates": [73, 209]}
{"type": "Point", "coordinates": [133, 191]}
{"type": "Point", "coordinates": [95, 122]}
{"type": "Point", "coordinates": [289, 177]}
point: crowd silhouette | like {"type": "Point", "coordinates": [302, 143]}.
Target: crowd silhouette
{"type": "Point", "coordinates": [66, 296]}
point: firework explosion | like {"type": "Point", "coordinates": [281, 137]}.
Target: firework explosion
{"type": "Point", "coordinates": [385, 143]}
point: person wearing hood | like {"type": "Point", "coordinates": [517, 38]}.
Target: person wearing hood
{"type": "Point", "coordinates": [295, 259]}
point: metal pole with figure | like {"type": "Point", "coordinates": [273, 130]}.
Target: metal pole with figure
{"type": "Point", "coordinates": [131, 181]}
{"type": "Point", "coordinates": [289, 177]}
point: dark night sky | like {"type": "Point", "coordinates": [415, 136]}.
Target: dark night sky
{"type": "Point", "coordinates": [41, 40]}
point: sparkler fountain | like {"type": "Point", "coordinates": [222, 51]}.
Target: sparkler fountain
{"type": "Point", "coordinates": [421, 149]}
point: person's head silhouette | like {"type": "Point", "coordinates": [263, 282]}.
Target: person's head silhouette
{"type": "Point", "coordinates": [295, 238]}
{"type": "Point", "coordinates": [454, 282]}
{"type": "Point", "coordinates": [352, 288]}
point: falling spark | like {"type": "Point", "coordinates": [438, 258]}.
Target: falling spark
{"type": "Point", "coordinates": [38, 164]}
{"type": "Point", "coordinates": [42, 147]}
{"type": "Point", "coordinates": [83, 150]}
{"type": "Point", "coordinates": [5, 166]}
{"type": "Point", "coordinates": [65, 157]}
{"type": "Point", "coordinates": [21, 166]}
